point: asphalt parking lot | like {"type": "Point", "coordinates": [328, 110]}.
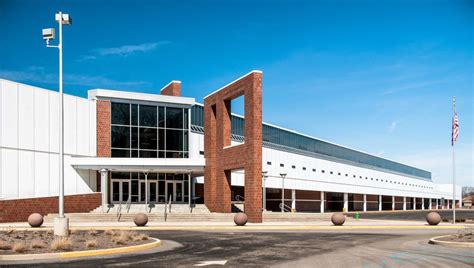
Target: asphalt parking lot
{"type": "Point", "coordinates": [364, 248]}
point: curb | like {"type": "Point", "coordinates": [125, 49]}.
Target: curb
{"type": "Point", "coordinates": [435, 241]}
{"type": "Point", "coordinates": [80, 254]}
{"type": "Point", "coordinates": [254, 227]}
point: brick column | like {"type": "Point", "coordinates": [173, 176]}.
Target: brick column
{"type": "Point", "coordinates": [221, 158]}
{"type": "Point", "coordinates": [103, 128]}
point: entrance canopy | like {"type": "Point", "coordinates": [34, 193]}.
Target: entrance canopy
{"type": "Point", "coordinates": [161, 165]}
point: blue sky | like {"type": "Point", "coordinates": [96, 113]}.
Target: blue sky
{"type": "Point", "coordinates": [377, 76]}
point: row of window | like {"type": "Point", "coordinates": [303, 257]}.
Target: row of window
{"type": "Point", "coordinates": [288, 139]}
{"type": "Point", "coordinates": [361, 177]}
{"type": "Point", "coordinates": [149, 131]}
{"type": "Point", "coordinates": [131, 114]}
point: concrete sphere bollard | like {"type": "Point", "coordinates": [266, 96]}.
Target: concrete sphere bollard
{"type": "Point", "coordinates": [35, 220]}
{"type": "Point", "coordinates": [240, 219]}
{"type": "Point", "coordinates": [338, 219]}
{"type": "Point", "coordinates": [140, 219]}
{"type": "Point", "coordinates": [433, 218]}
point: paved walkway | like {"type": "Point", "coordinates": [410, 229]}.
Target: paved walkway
{"type": "Point", "coordinates": [349, 224]}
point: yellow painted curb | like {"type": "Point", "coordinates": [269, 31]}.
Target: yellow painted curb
{"type": "Point", "coordinates": [435, 241]}
{"type": "Point", "coordinates": [79, 254]}
{"type": "Point", "coordinates": [265, 228]}
{"type": "Point", "coordinates": [256, 227]}
{"type": "Point", "coordinates": [108, 251]}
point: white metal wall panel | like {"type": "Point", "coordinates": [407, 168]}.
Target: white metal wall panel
{"type": "Point", "coordinates": [9, 173]}
{"type": "Point", "coordinates": [70, 125]}
{"type": "Point", "coordinates": [70, 178]}
{"type": "Point", "coordinates": [53, 174]}
{"type": "Point", "coordinates": [83, 181]}
{"type": "Point", "coordinates": [26, 173]}
{"type": "Point", "coordinates": [1, 143]}
{"type": "Point", "coordinates": [53, 122]}
{"type": "Point", "coordinates": [41, 174]}
{"type": "Point", "coordinates": [92, 128]}
{"type": "Point", "coordinates": [9, 108]}
{"type": "Point", "coordinates": [83, 127]}
{"type": "Point", "coordinates": [26, 124]}
{"type": "Point", "coordinates": [41, 120]}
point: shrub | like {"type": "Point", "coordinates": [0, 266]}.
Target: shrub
{"type": "Point", "coordinates": [5, 245]}
{"type": "Point", "coordinates": [139, 237]}
{"type": "Point", "coordinates": [19, 247]}
{"type": "Point", "coordinates": [109, 232]}
{"type": "Point", "coordinates": [10, 230]}
{"type": "Point", "coordinates": [93, 232]}
{"type": "Point", "coordinates": [119, 241]}
{"type": "Point", "coordinates": [91, 243]}
{"type": "Point", "coordinates": [61, 243]}
{"type": "Point", "coordinates": [36, 244]}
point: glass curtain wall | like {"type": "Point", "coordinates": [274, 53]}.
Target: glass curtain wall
{"type": "Point", "coordinates": [149, 131]}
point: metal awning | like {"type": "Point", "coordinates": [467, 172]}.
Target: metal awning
{"type": "Point", "coordinates": [163, 165]}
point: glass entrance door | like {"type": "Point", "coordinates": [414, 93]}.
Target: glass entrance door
{"type": "Point", "coordinates": [174, 190]}
{"type": "Point", "coordinates": [120, 191]}
{"type": "Point", "coordinates": [152, 192]}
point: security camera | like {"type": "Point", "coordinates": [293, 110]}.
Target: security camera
{"type": "Point", "coordinates": [48, 34]}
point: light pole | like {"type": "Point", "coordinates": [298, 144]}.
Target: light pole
{"type": "Point", "coordinates": [264, 196]}
{"type": "Point", "coordinates": [61, 223]}
{"type": "Point", "coordinates": [283, 175]}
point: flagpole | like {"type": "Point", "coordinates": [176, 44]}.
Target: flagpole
{"type": "Point", "coordinates": [454, 166]}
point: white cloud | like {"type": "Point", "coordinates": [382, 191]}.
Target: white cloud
{"type": "Point", "coordinates": [69, 79]}
{"type": "Point", "coordinates": [392, 127]}
{"type": "Point", "coordinates": [123, 51]}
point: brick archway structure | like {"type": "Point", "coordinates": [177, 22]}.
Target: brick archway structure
{"type": "Point", "coordinates": [222, 158]}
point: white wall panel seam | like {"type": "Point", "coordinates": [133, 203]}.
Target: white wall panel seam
{"type": "Point", "coordinates": [18, 140]}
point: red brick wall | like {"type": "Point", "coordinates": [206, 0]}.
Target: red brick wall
{"type": "Point", "coordinates": [18, 210]}
{"type": "Point", "coordinates": [172, 89]}
{"type": "Point", "coordinates": [103, 128]}
{"type": "Point", "coordinates": [220, 161]}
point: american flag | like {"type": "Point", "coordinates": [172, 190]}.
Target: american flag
{"type": "Point", "coordinates": [455, 133]}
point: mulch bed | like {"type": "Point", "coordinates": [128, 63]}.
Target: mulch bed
{"type": "Point", "coordinates": [35, 242]}
{"type": "Point", "coordinates": [461, 236]}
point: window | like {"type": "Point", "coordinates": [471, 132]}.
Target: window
{"type": "Point", "coordinates": [120, 113]}
{"type": "Point", "coordinates": [322, 171]}
{"type": "Point", "coordinates": [339, 173]}
{"type": "Point", "coordinates": [201, 152]}
{"type": "Point", "coordinates": [148, 131]}
{"type": "Point", "coordinates": [353, 176]}
{"type": "Point", "coordinates": [330, 172]}
{"type": "Point", "coordinates": [293, 167]}
{"type": "Point", "coordinates": [304, 168]}
{"type": "Point", "coordinates": [174, 117]}
{"type": "Point", "coordinates": [347, 175]}
{"type": "Point", "coordinates": [282, 165]}
{"type": "Point", "coordinates": [314, 170]}
{"type": "Point", "coordinates": [147, 115]}
{"type": "Point", "coordinates": [269, 163]}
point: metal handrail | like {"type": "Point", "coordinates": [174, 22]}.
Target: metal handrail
{"type": "Point", "coordinates": [169, 205]}
{"type": "Point", "coordinates": [127, 207]}
{"type": "Point", "coordinates": [119, 211]}
{"type": "Point", "coordinates": [239, 198]}
{"type": "Point", "coordinates": [166, 208]}
{"type": "Point", "coordinates": [128, 204]}
{"type": "Point", "coordinates": [286, 208]}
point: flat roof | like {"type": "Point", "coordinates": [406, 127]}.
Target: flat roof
{"type": "Point", "coordinates": [125, 95]}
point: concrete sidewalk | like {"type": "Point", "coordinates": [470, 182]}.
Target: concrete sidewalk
{"type": "Point", "coordinates": [350, 223]}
